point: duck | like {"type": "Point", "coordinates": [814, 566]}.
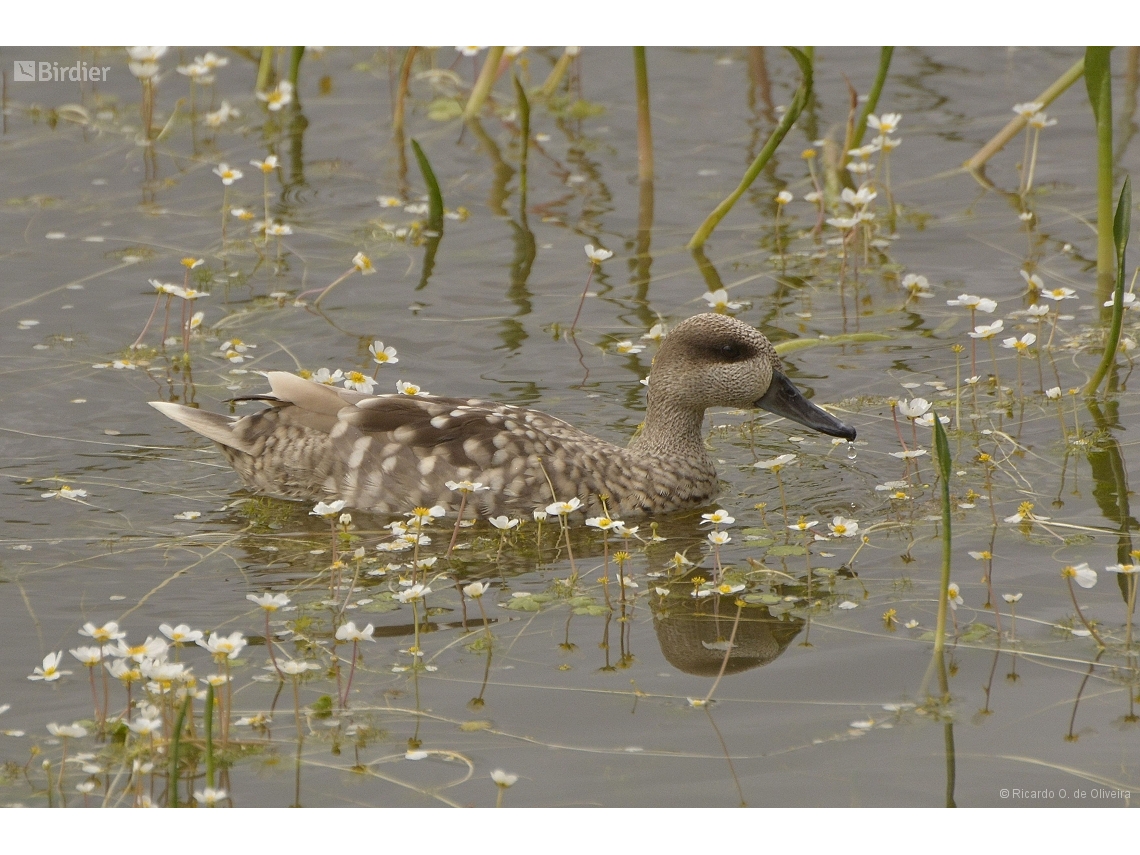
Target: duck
{"type": "Point", "coordinates": [388, 454]}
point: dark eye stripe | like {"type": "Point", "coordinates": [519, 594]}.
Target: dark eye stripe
{"type": "Point", "coordinates": [730, 351]}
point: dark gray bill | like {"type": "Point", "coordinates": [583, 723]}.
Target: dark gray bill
{"type": "Point", "coordinates": [784, 399]}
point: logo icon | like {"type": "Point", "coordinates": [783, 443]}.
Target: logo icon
{"type": "Point", "coordinates": [24, 70]}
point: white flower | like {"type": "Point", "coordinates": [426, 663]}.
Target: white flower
{"type": "Point", "coordinates": [842, 527]}
{"type": "Point", "coordinates": [209, 796]}
{"type": "Point", "coordinates": [349, 632]}
{"type": "Point", "coordinates": [326, 377]}
{"type": "Point", "coordinates": [503, 779]}
{"type": "Point", "coordinates": [784, 197]}
{"type": "Point", "coordinates": [559, 509]}
{"type": "Point", "coordinates": [65, 492]}
{"type": "Point", "coordinates": [914, 408]}
{"type": "Point", "coordinates": [1059, 294]}
{"type": "Point", "coordinates": [971, 301]}
{"type": "Point", "coordinates": [381, 354]}
{"type": "Point", "coordinates": [328, 509]}
{"type": "Point", "coordinates": [1053, 393]}
{"type": "Point", "coordinates": [858, 199]}
{"type": "Point", "coordinates": [144, 726]}
{"type": "Point", "coordinates": [466, 486]}
{"type": "Point", "coordinates": [1085, 576]}
{"type": "Point", "coordinates": [656, 333]}
{"type": "Point", "coordinates": [296, 667]}
{"type": "Point", "coordinates": [181, 633]}
{"type": "Point", "coordinates": [228, 646]}
{"type": "Point", "coordinates": [476, 589]}
{"type": "Point", "coordinates": [75, 731]}
{"type": "Point", "coordinates": [628, 347]}
{"type": "Point", "coordinates": [1028, 108]}
{"type": "Point", "coordinates": [909, 455]}
{"type": "Point", "coordinates": [267, 165]}
{"type": "Point", "coordinates": [776, 463]}
{"type": "Point", "coordinates": [887, 123]}
{"type": "Point", "coordinates": [89, 656]}
{"type": "Point", "coordinates": [917, 285]}
{"type": "Point", "coordinates": [1019, 344]}
{"type": "Point", "coordinates": [220, 116]}
{"type": "Point", "coordinates": [718, 517]}
{"type": "Point", "coordinates": [718, 538]}
{"type": "Point", "coordinates": [269, 602]}
{"type": "Point", "coordinates": [1011, 598]}
{"type": "Point", "coordinates": [1039, 120]}
{"type": "Point", "coordinates": [1129, 300]}
{"type": "Point", "coordinates": [359, 382]}
{"type": "Point", "coordinates": [277, 98]}
{"type": "Point", "coordinates": [49, 672]}
{"type": "Point", "coordinates": [1123, 568]}
{"type": "Point", "coordinates": [410, 389]}
{"type": "Point", "coordinates": [364, 264]}
{"type": "Point", "coordinates": [953, 597]}
{"type": "Point", "coordinates": [987, 331]}
{"type": "Point", "coordinates": [928, 420]}
{"type": "Point", "coordinates": [415, 592]}
{"type": "Point", "coordinates": [504, 523]}
{"type": "Point", "coordinates": [1032, 280]}
{"type": "Point", "coordinates": [602, 523]}
{"type": "Point", "coordinates": [718, 301]}
{"type": "Point", "coordinates": [597, 255]}
{"type": "Point", "coordinates": [228, 175]}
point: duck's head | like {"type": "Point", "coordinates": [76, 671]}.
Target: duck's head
{"type": "Point", "coordinates": [716, 361]}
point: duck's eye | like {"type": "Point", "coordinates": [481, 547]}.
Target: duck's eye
{"type": "Point", "coordinates": [731, 352]}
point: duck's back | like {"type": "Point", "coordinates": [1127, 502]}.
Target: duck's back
{"type": "Point", "coordinates": [391, 453]}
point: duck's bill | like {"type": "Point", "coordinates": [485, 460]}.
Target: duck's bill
{"type": "Point", "coordinates": [784, 399]}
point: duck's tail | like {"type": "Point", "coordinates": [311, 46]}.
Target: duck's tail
{"type": "Point", "coordinates": [210, 425]}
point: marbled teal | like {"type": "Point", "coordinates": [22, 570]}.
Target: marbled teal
{"type": "Point", "coordinates": [391, 453]}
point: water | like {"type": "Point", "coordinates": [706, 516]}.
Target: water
{"type": "Point", "coordinates": [590, 706]}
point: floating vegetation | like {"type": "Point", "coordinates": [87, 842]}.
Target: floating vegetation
{"type": "Point", "coordinates": [180, 641]}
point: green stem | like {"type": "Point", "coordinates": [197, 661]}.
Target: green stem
{"type": "Point", "coordinates": [295, 56]}
{"type": "Point", "coordinates": [942, 449]}
{"type": "Point", "coordinates": [644, 128]}
{"type": "Point", "coordinates": [872, 98]}
{"type": "Point", "coordinates": [789, 119]}
{"type": "Point", "coordinates": [524, 142]}
{"type": "Point", "coordinates": [1121, 225]}
{"type": "Point", "coordinates": [208, 722]}
{"type": "Point", "coordinates": [175, 750]}
{"type": "Point", "coordinates": [264, 70]}
{"type": "Point", "coordinates": [483, 85]}
{"type": "Point", "coordinates": [1098, 78]}
{"type": "Point", "coordinates": [1015, 125]}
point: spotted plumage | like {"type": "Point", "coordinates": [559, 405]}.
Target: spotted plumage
{"type": "Point", "coordinates": [390, 453]}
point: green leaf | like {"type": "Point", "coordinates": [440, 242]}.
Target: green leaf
{"type": "Point", "coordinates": [444, 110]}
{"type": "Point", "coordinates": [1121, 225]}
{"type": "Point", "coordinates": [435, 197]}
{"type": "Point", "coordinates": [1098, 76]}
{"type": "Point", "coordinates": [786, 549]}
{"type": "Point", "coordinates": [595, 610]}
{"type": "Point", "coordinates": [763, 599]}
{"type": "Point", "coordinates": [942, 450]}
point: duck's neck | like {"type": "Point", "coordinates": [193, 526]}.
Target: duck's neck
{"type": "Point", "coordinates": [672, 429]}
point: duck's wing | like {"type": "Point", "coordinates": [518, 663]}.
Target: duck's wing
{"type": "Point", "coordinates": [390, 453]}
